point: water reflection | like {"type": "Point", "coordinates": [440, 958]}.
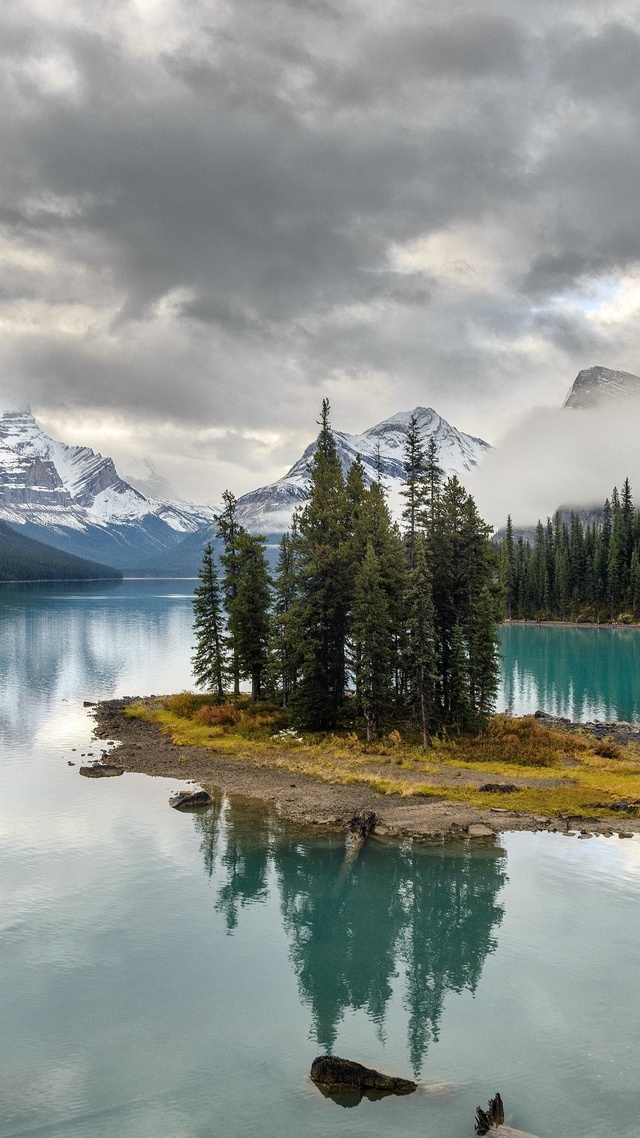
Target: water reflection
{"type": "Point", "coordinates": [424, 916]}
{"type": "Point", "coordinates": [88, 640]}
{"type": "Point", "coordinates": [582, 673]}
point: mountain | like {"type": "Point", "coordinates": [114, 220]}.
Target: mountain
{"type": "Point", "coordinates": [74, 499]}
{"type": "Point", "coordinates": [269, 509]}
{"type": "Point", "coordinates": [23, 559]}
{"type": "Point", "coordinates": [595, 385]}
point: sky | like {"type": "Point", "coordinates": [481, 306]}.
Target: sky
{"type": "Point", "coordinates": [214, 214]}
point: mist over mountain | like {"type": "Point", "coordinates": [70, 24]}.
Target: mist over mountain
{"type": "Point", "coordinates": [570, 456]}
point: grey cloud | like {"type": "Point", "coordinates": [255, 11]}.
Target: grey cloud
{"type": "Point", "coordinates": [223, 211]}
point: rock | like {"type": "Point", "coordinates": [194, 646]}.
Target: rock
{"type": "Point", "coordinates": [101, 770]}
{"type": "Point", "coordinates": [479, 830]}
{"type": "Point", "coordinates": [190, 800]}
{"type": "Point", "coordinates": [625, 834]}
{"type": "Point", "coordinates": [342, 1076]}
{"type": "Point", "coordinates": [88, 703]}
{"type": "Point", "coordinates": [499, 787]}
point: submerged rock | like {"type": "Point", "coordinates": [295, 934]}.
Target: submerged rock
{"type": "Point", "coordinates": [338, 1077]}
{"type": "Point", "coordinates": [479, 830]}
{"type": "Point", "coordinates": [190, 800]}
{"type": "Point", "coordinates": [101, 770]}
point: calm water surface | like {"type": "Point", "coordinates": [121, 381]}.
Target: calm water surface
{"type": "Point", "coordinates": [165, 976]}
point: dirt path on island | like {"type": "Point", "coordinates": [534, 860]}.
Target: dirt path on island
{"type": "Point", "coordinates": [143, 748]}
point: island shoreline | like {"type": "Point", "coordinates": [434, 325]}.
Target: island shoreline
{"type": "Point", "coordinates": [142, 747]}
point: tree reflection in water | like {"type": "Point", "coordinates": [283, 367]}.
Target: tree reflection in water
{"type": "Point", "coordinates": [424, 913]}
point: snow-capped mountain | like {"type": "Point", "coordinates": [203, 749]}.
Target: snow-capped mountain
{"type": "Point", "coordinates": [75, 499]}
{"type": "Point", "coordinates": [594, 385]}
{"type": "Point", "coordinates": [269, 509]}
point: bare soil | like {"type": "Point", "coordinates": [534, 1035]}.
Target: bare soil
{"type": "Point", "coordinates": [143, 748]}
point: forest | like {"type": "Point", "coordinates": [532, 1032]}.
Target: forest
{"type": "Point", "coordinates": [25, 559]}
{"type": "Point", "coordinates": [364, 622]}
{"type": "Point", "coordinates": [575, 572]}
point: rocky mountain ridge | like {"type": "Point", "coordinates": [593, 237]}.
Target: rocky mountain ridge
{"type": "Point", "coordinates": [595, 385]}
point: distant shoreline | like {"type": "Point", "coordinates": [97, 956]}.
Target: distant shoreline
{"type": "Point", "coordinates": [568, 624]}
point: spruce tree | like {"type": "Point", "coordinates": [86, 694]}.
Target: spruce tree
{"type": "Point", "coordinates": [421, 654]}
{"type": "Point", "coordinates": [229, 530]}
{"type": "Point", "coordinates": [459, 696]}
{"type": "Point", "coordinates": [251, 611]}
{"type": "Point", "coordinates": [208, 661]}
{"type": "Point", "coordinates": [325, 588]}
{"type": "Point", "coordinates": [484, 660]}
{"type": "Point", "coordinates": [413, 488]}
{"type": "Point", "coordinates": [371, 632]}
{"type": "Point", "coordinates": [285, 646]}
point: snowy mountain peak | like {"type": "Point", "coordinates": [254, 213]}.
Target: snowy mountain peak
{"type": "Point", "coordinates": [594, 385]}
{"type": "Point", "coordinates": [270, 508]}
{"type": "Point", "coordinates": [46, 482]}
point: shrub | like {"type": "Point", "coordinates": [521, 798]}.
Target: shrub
{"type": "Point", "coordinates": [607, 749]}
{"type": "Point", "coordinates": [218, 714]}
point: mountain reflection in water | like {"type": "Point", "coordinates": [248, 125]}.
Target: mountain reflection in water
{"type": "Point", "coordinates": [422, 913]}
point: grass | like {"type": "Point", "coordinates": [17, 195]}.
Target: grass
{"type": "Point", "coordinates": [595, 774]}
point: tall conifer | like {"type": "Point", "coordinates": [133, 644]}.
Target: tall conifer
{"type": "Point", "coordinates": [208, 661]}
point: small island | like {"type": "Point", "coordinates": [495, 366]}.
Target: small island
{"type": "Point", "coordinates": [372, 656]}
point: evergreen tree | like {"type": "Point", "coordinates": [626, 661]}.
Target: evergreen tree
{"type": "Point", "coordinates": [484, 660]}
{"type": "Point", "coordinates": [230, 531]}
{"type": "Point", "coordinates": [459, 695]}
{"type": "Point", "coordinates": [251, 611]}
{"type": "Point", "coordinates": [325, 588]}
{"type": "Point", "coordinates": [432, 485]}
{"type": "Point", "coordinates": [285, 646]}
{"type": "Point", "coordinates": [371, 632]}
{"type": "Point", "coordinates": [413, 489]}
{"type": "Point", "coordinates": [421, 653]}
{"type": "Point", "coordinates": [508, 568]}
{"type": "Point", "coordinates": [208, 661]}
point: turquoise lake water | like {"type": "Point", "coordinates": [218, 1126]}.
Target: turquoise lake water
{"type": "Point", "coordinates": [170, 976]}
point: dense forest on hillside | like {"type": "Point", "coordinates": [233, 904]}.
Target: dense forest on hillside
{"type": "Point", "coordinates": [364, 622]}
{"type": "Point", "coordinates": [23, 559]}
{"type": "Point", "coordinates": [576, 572]}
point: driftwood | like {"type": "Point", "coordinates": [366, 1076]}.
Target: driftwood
{"type": "Point", "coordinates": [491, 1121]}
{"type": "Point", "coordinates": [335, 1076]}
{"type": "Point", "coordinates": [360, 827]}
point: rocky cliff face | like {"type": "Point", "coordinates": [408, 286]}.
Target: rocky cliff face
{"type": "Point", "coordinates": [595, 385]}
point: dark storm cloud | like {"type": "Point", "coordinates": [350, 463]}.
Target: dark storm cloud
{"type": "Point", "coordinates": [212, 219]}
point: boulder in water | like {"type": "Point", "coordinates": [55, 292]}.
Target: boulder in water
{"type": "Point", "coordinates": [190, 800]}
{"type": "Point", "coordinates": [342, 1076]}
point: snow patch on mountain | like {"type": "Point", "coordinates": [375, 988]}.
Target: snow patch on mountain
{"type": "Point", "coordinates": [269, 509]}
{"type": "Point", "coordinates": [47, 483]}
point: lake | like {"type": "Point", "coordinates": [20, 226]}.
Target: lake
{"type": "Point", "coordinates": [171, 976]}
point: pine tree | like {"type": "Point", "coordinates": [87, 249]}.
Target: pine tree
{"type": "Point", "coordinates": [413, 489]}
{"type": "Point", "coordinates": [371, 632]}
{"type": "Point", "coordinates": [230, 531]}
{"type": "Point", "coordinates": [484, 660]}
{"type": "Point", "coordinates": [208, 661]}
{"type": "Point", "coordinates": [432, 486]}
{"type": "Point", "coordinates": [325, 588]}
{"type": "Point", "coordinates": [459, 697]}
{"type": "Point", "coordinates": [251, 611]}
{"type": "Point", "coordinates": [508, 568]}
{"type": "Point", "coordinates": [285, 647]}
{"type": "Point", "coordinates": [421, 654]}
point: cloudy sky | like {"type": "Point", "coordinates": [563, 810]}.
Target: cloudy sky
{"type": "Point", "coordinates": [215, 213]}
